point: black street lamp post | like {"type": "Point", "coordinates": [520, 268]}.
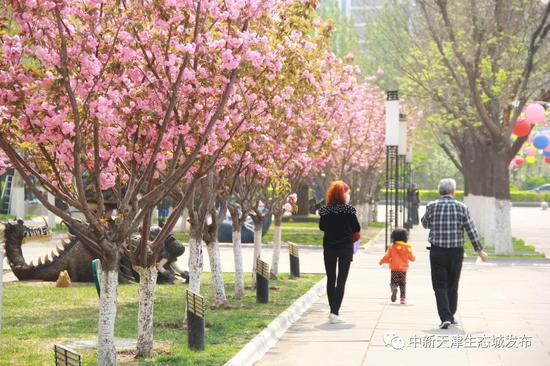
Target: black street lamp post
{"type": "Point", "coordinates": [392, 162]}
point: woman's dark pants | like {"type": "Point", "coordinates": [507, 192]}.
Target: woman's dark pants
{"type": "Point", "coordinates": [336, 285]}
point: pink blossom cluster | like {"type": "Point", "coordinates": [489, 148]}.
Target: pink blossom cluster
{"type": "Point", "coordinates": [110, 87]}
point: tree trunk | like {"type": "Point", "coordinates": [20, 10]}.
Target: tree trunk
{"type": "Point", "coordinates": [303, 200]}
{"type": "Point", "coordinates": [488, 179]}
{"type": "Point", "coordinates": [239, 269]}
{"type": "Point", "coordinates": [257, 250]}
{"type": "Point", "coordinates": [277, 234]}
{"type": "Point", "coordinates": [147, 283]}
{"type": "Point", "coordinates": [184, 217]}
{"type": "Point", "coordinates": [195, 262]}
{"type": "Point", "coordinates": [363, 213]}
{"type": "Point", "coordinates": [106, 352]}
{"type": "Point", "coordinates": [220, 299]}
{"type": "Point", "coordinates": [501, 235]}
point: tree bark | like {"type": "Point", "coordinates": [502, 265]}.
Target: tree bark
{"type": "Point", "coordinates": [239, 269]}
{"type": "Point", "coordinates": [184, 224]}
{"type": "Point", "coordinates": [303, 200]}
{"type": "Point", "coordinates": [195, 262]}
{"type": "Point", "coordinates": [488, 198]}
{"type": "Point", "coordinates": [220, 299]}
{"type": "Point", "coordinates": [147, 284]}
{"type": "Point", "coordinates": [106, 352]}
{"type": "Point", "coordinates": [257, 250]}
{"type": "Point", "coordinates": [277, 234]}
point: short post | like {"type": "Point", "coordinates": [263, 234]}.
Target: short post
{"type": "Point", "coordinates": [294, 260]}
{"type": "Point", "coordinates": [195, 321]}
{"type": "Point", "coordinates": [96, 274]}
{"type": "Point", "coordinates": [262, 282]}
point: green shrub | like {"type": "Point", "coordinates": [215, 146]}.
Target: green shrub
{"type": "Point", "coordinates": [516, 196]}
{"type": "Point", "coordinates": [301, 218]}
{"type": "Point", "coordinates": [533, 182]}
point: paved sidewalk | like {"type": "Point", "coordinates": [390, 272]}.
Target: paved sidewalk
{"type": "Point", "coordinates": [512, 301]}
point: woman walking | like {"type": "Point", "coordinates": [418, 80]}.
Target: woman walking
{"type": "Point", "coordinates": [341, 229]}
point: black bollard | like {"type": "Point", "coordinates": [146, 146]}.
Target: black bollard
{"type": "Point", "coordinates": [262, 282]}
{"type": "Point", "coordinates": [294, 260]}
{"type": "Point", "coordinates": [195, 321]}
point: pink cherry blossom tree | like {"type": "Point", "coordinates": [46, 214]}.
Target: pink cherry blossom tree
{"type": "Point", "coordinates": [106, 98]}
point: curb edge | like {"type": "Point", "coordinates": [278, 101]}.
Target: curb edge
{"type": "Point", "coordinates": [254, 350]}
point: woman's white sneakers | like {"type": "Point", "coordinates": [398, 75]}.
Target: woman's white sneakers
{"type": "Point", "coordinates": [334, 319]}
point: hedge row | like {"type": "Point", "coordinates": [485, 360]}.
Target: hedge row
{"type": "Point", "coordinates": [517, 196]}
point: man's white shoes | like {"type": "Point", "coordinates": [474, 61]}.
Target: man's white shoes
{"type": "Point", "coordinates": [334, 319]}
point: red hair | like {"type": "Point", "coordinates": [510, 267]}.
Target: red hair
{"type": "Point", "coordinates": [336, 192]}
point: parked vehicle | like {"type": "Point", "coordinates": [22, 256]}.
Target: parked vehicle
{"type": "Point", "coordinates": [542, 189]}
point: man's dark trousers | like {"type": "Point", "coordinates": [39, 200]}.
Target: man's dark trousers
{"type": "Point", "coordinates": [446, 264]}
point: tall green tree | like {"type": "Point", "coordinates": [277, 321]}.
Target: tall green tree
{"type": "Point", "coordinates": [475, 64]}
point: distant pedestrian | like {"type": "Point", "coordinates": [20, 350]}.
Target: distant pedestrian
{"type": "Point", "coordinates": [341, 228]}
{"type": "Point", "coordinates": [415, 205]}
{"type": "Point", "coordinates": [447, 219]}
{"type": "Point", "coordinates": [398, 256]}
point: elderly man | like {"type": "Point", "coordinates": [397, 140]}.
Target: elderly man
{"type": "Point", "coordinates": [447, 219]}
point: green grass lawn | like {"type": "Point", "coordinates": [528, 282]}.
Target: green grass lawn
{"type": "Point", "coordinates": [307, 233]}
{"type": "Point", "coordinates": [521, 250]}
{"type": "Point", "coordinates": [39, 315]}
{"type": "Point", "coordinates": [8, 217]}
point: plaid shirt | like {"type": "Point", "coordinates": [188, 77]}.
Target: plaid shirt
{"type": "Point", "coordinates": [447, 219]}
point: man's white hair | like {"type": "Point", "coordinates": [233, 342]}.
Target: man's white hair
{"type": "Point", "coordinates": [446, 186]}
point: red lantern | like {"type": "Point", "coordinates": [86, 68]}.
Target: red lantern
{"type": "Point", "coordinates": [519, 161]}
{"type": "Point", "coordinates": [522, 128]}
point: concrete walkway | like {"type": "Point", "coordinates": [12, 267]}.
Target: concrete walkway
{"type": "Point", "coordinates": [504, 311]}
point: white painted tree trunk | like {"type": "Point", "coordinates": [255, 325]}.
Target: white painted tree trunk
{"type": "Point", "coordinates": [366, 211]}
{"type": "Point", "coordinates": [155, 217]}
{"type": "Point", "coordinates": [106, 352]}
{"type": "Point", "coordinates": [489, 214]}
{"type": "Point", "coordinates": [184, 217]}
{"type": "Point", "coordinates": [475, 206]}
{"type": "Point", "coordinates": [220, 299]}
{"type": "Point", "coordinates": [375, 212]}
{"type": "Point", "coordinates": [239, 268]}
{"type": "Point", "coordinates": [277, 234]}
{"type": "Point", "coordinates": [195, 264]}
{"type": "Point", "coordinates": [257, 252]}
{"type": "Point", "coordinates": [492, 218]}
{"type": "Point", "coordinates": [502, 234]}
{"type": "Point", "coordinates": [480, 208]}
{"type": "Point", "coordinates": [147, 284]}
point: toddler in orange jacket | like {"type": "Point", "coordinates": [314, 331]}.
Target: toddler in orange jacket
{"type": "Point", "coordinates": [398, 256]}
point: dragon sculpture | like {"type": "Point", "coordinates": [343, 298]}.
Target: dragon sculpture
{"type": "Point", "coordinates": [74, 258]}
